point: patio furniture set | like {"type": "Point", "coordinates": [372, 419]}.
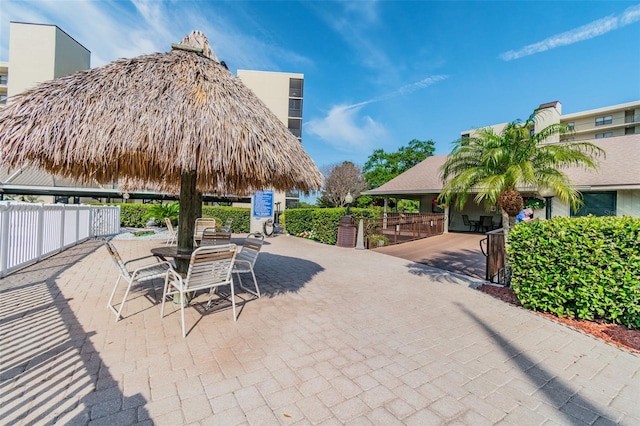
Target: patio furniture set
{"type": "Point", "coordinates": [206, 232]}
{"type": "Point", "coordinates": [212, 265]}
{"type": "Point", "coordinates": [484, 224]}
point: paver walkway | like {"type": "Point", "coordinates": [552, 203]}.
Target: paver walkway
{"type": "Point", "coordinates": [341, 336]}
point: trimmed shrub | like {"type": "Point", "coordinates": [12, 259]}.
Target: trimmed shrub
{"type": "Point", "coordinates": [586, 268]}
{"type": "Point", "coordinates": [240, 215]}
{"type": "Point", "coordinates": [297, 221]}
{"type": "Point", "coordinates": [133, 215]}
{"type": "Point", "coordinates": [322, 224]}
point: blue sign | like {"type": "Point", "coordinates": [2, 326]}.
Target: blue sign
{"type": "Point", "coordinates": [263, 204]}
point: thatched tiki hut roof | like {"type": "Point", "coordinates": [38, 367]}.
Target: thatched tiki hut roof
{"type": "Point", "coordinates": [157, 119]}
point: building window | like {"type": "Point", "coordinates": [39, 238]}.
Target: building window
{"type": "Point", "coordinates": [629, 130]}
{"type": "Point", "coordinates": [295, 107]}
{"type": "Point", "coordinates": [601, 121]}
{"type": "Point", "coordinates": [291, 204]}
{"type": "Point", "coordinates": [296, 87]}
{"type": "Point", "coordinates": [604, 135]}
{"type": "Point", "coordinates": [3, 99]}
{"type": "Point", "coordinates": [295, 126]}
{"type": "Point", "coordinates": [571, 125]}
{"type": "Point", "coordinates": [597, 204]}
{"type": "Point", "coordinates": [3, 79]}
{"type": "Point", "coordinates": [532, 132]}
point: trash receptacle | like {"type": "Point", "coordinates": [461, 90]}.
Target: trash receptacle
{"type": "Point", "coordinates": [346, 232]}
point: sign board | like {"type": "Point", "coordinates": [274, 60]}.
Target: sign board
{"type": "Point", "coordinates": [263, 204]}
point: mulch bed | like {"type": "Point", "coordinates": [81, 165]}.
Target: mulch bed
{"type": "Point", "coordinates": [612, 333]}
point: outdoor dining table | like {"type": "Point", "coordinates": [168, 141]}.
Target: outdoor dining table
{"type": "Point", "coordinates": [181, 258]}
{"type": "Point", "coordinates": [172, 252]}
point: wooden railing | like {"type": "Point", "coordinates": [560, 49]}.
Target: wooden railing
{"type": "Point", "coordinates": [402, 227]}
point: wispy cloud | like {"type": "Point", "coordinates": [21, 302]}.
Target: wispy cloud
{"type": "Point", "coordinates": [407, 89]}
{"type": "Point", "coordinates": [585, 32]}
{"type": "Point", "coordinates": [112, 30]}
{"type": "Point", "coordinates": [344, 129]}
{"type": "Point", "coordinates": [355, 22]}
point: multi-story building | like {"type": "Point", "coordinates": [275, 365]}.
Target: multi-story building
{"type": "Point", "coordinates": [282, 93]}
{"type": "Point", "coordinates": [613, 189]}
{"type": "Point", "coordinates": [39, 53]}
{"type": "Point", "coordinates": [616, 120]}
{"type": "Point", "coordinates": [606, 122]}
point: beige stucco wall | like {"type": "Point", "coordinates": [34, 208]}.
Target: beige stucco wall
{"type": "Point", "coordinates": [584, 122]}
{"type": "Point", "coordinates": [546, 117]}
{"type": "Point", "coordinates": [497, 128]}
{"type": "Point", "coordinates": [628, 203]}
{"type": "Point", "coordinates": [70, 56]}
{"type": "Point", "coordinates": [38, 53]}
{"type": "Point", "coordinates": [272, 88]}
{"type": "Point", "coordinates": [31, 56]}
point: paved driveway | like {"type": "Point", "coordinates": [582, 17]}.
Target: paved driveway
{"type": "Point", "coordinates": [341, 336]}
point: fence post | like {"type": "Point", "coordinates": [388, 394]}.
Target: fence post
{"type": "Point", "coordinates": [5, 215]}
{"type": "Point", "coordinates": [62, 218]}
{"type": "Point", "coordinates": [40, 232]}
{"type": "Point", "coordinates": [360, 236]}
{"type": "Point", "coordinates": [77, 236]}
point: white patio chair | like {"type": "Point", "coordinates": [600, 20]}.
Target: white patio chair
{"type": "Point", "coordinates": [173, 232]}
{"type": "Point", "coordinates": [201, 224]}
{"type": "Point", "coordinates": [143, 273]}
{"type": "Point", "coordinates": [211, 237]}
{"type": "Point", "coordinates": [227, 225]}
{"type": "Point", "coordinates": [209, 268]}
{"type": "Point", "coordinates": [246, 259]}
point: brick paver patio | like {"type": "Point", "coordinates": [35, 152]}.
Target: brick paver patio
{"type": "Point", "coordinates": [341, 336]}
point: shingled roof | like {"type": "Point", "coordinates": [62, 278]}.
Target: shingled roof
{"type": "Point", "coordinates": [619, 170]}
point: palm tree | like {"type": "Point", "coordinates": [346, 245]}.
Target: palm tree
{"type": "Point", "coordinates": [493, 165]}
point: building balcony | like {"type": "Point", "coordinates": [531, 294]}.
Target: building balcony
{"type": "Point", "coordinates": [615, 123]}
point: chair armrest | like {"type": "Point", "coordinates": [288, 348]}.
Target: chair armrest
{"type": "Point", "coordinates": [174, 277]}
{"type": "Point", "coordinates": [242, 264]}
{"type": "Point", "coordinates": [141, 258]}
{"type": "Point", "coordinates": [165, 264]}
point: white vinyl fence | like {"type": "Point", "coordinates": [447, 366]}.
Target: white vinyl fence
{"type": "Point", "coordinates": [31, 232]}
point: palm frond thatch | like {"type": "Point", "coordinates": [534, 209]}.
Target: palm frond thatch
{"type": "Point", "coordinates": [151, 118]}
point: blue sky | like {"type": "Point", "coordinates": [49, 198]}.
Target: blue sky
{"type": "Point", "coordinates": [378, 74]}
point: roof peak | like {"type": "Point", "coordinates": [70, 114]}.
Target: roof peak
{"type": "Point", "coordinates": [198, 42]}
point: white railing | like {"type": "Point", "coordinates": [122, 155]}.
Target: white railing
{"type": "Point", "coordinates": [31, 232]}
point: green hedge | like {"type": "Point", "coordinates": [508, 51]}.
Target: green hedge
{"type": "Point", "coordinates": [586, 268]}
{"type": "Point", "coordinates": [241, 216]}
{"type": "Point", "coordinates": [321, 224]}
{"type": "Point", "coordinates": [134, 215]}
